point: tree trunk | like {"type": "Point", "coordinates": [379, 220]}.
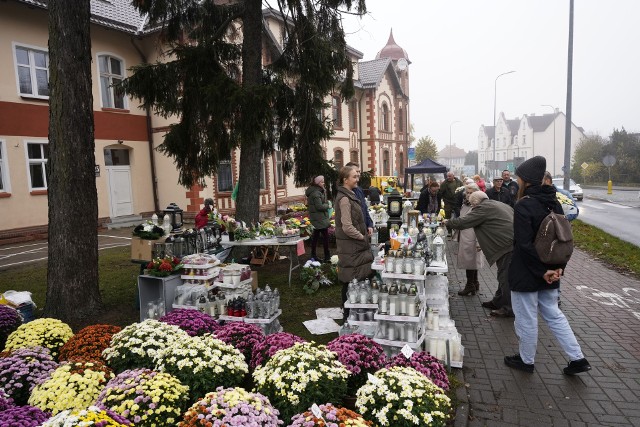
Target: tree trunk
{"type": "Point", "coordinates": [73, 293]}
{"type": "Point", "coordinates": [248, 200]}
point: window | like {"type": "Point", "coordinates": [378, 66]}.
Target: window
{"type": "Point", "coordinates": [352, 115]}
{"type": "Point", "coordinates": [385, 163]}
{"type": "Point", "coordinates": [279, 171]}
{"type": "Point", "coordinates": [524, 139]}
{"type": "Point", "coordinates": [336, 115]}
{"type": "Point", "coordinates": [401, 163]}
{"type": "Point", "coordinates": [263, 175]}
{"type": "Point", "coordinates": [32, 66]}
{"type": "Point", "coordinates": [384, 119]}
{"type": "Point", "coordinates": [116, 157]}
{"type": "Point", "coordinates": [4, 169]}
{"type": "Point", "coordinates": [111, 73]}
{"type": "Point", "coordinates": [225, 177]}
{"type": "Point", "coordinates": [353, 156]}
{"type": "Point", "coordinates": [38, 156]}
{"type": "Point", "coordinates": [400, 121]}
{"type": "Point", "coordinates": [338, 159]}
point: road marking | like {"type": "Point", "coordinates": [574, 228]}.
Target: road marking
{"type": "Point", "coordinates": [589, 205]}
{"type": "Point", "coordinates": [21, 246]}
{"type": "Point", "coordinates": [114, 237]}
{"type": "Point", "coordinates": [616, 205]}
{"type": "Point", "coordinates": [40, 259]}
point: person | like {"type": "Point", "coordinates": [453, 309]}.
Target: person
{"type": "Point", "coordinates": [499, 193]}
{"type": "Point", "coordinates": [430, 201]}
{"type": "Point", "coordinates": [492, 222]}
{"type": "Point", "coordinates": [570, 212]}
{"type": "Point", "coordinates": [510, 184]}
{"type": "Point", "coordinates": [374, 195]}
{"type": "Point", "coordinates": [202, 217]}
{"type": "Point", "coordinates": [470, 256]}
{"type": "Point", "coordinates": [480, 183]}
{"type": "Point", "coordinates": [319, 216]}
{"type": "Point", "coordinates": [360, 195]}
{"type": "Point", "coordinates": [447, 192]}
{"type": "Point", "coordinates": [534, 285]}
{"type": "Point", "coordinates": [352, 239]}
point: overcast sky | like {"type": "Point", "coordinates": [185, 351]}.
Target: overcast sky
{"type": "Point", "coordinates": [457, 48]}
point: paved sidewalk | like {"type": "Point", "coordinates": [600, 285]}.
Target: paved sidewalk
{"type": "Point", "coordinates": [603, 308]}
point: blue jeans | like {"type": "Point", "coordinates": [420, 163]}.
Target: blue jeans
{"type": "Point", "coordinates": [526, 306]}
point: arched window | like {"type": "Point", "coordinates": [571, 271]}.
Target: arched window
{"type": "Point", "coordinates": [353, 156]}
{"type": "Point", "coordinates": [336, 113]}
{"type": "Point", "coordinates": [385, 163]}
{"type": "Point", "coordinates": [353, 115]}
{"type": "Point", "coordinates": [338, 159]}
{"type": "Point", "coordinates": [384, 117]}
{"type": "Point", "coordinates": [400, 120]}
{"type": "Point", "coordinates": [401, 164]}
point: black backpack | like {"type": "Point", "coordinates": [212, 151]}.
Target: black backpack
{"type": "Point", "coordinates": [554, 240]}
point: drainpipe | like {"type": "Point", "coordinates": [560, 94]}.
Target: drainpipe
{"type": "Point", "coordinates": [360, 130]}
{"type": "Point", "coordinates": [154, 182]}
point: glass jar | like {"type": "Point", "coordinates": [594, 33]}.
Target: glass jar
{"type": "Point", "coordinates": [408, 265]}
{"type": "Point", "coordinates": [363, 294]}
{"type": "Point", "coordinates": [418, 264]}
{"type": "Point", "coordinates": [389, 262]}
{"type": "Point", "coordinates": [412, 301]}
{"type": "Point", "coordinates": [399, 265]}
{"type": "Point", "coordinates": [375, 292]}
{"type": "Point", "coordinates": [393, 300]}
{"type": "Point", "coordinates": [410, 332]}
{"type": "Point", "coordinates": [383, 301]}
{"type": "Point", "coordinates": [391, 331]}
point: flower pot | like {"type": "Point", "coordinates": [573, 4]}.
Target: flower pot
{"type": "Point", "coordinates": [349, 402]}
{"type": "Point", "coordinates": [232, 237]}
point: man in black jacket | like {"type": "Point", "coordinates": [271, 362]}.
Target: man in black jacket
{"type": "Point", "coordinates": [499, 193]}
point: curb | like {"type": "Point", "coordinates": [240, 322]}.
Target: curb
{"type": "Point", "coordinates": [604, 199]}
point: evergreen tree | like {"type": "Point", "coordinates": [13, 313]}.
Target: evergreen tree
{"type": "Point", "coordinates": [274, 106]}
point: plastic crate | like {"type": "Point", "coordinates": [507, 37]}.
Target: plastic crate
{"type": "Point", "coordinates": [26, 311]}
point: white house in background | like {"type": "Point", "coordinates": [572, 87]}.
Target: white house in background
{"type": "Point", "coordinates": [517, 140]}
{"type": "Point", "coordinates": [453, 158]}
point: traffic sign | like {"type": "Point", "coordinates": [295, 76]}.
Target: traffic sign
{"type": "Point", "coordinates": [609, 160]}
{"type": "Point", "coordinates": [584, 165]}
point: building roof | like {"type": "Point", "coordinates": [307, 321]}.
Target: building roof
{"type": "Point", "coordinates": [514, 125]}
{"type": "Point", "coordinates": [117, 14]}
{"type": "Point", "coordinates": [392, 50]}
{"type": "Point", "coordinates": [370, 73]}
{"type": "Point", "coordinates": [451, 151]}
{"type": "Point", "coordinates": [540, 123]}
{"type": "Point", "coordinates": [490, 131]}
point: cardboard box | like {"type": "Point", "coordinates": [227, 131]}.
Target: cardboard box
{"type": "Point", "coordinates": [141, 249]}
{"type": "Point", "coordinates": [254, 280]}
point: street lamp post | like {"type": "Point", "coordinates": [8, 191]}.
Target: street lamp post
{"type": "Point", "coordinates": [554, 136]}
{"type": "Point", "coordinates": [450, 158]}
{"type": "Point", "coordinates": [495, 138]}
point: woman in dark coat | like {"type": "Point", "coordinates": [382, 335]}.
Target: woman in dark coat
{"type": "Point", "coordinates": [534, 285]}
{"type": "Point", "coordinates": [319, 216]}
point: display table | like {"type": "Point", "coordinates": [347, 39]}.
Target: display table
{"type": "Point", "coordinates": [272, 242]}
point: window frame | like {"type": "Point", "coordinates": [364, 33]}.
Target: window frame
{"type": "Point", "coordinates": [336, 111]}
{"type": "Point", "coordinates": [280, 179]}
{"type": "Point", "coordinates": [125, 99]}
{"type": "Point", "coordinates": [43, 161]}
{"type": "Point", "coordinates": [353, 115]}
{"type": "Point", "coordinates": [384, 117]}
{"type": "Point", "coordinates": [263, 174]}
{"type": "Point", "coordinates": [224, 162]}
{"type": "Point", "coordinates": [386, 163]}
{"type": "Point", "coordinates": [32, 69]}
{"type": "Point", "coordinates": [5, 182]}
{"type": "Point", "coordinates": [335, 155]}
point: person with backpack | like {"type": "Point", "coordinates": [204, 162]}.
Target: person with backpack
{"type": "Point", "coordinates": [534, 285]}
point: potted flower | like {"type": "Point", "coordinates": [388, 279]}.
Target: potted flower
{"type": "Point", "coordinates": [72, 386]}
{"type": "Point", "coordinates": [243, 336]}
{"type": "Point", "coordinates": [92, 416]}
{"type": "Point", "coordinates": [46, 332]}
{"type": "Point", "coordinates": [136, 345]}
{"type": "Point", "coordinates": [23, 416]}
{"type": "Point", "coordinates": [145, 397]}
{"type": "Point", "coordinates": [10, 320]}
{"type": "Point", "coordinates": [402, 397]}
{"type": "Point", "coordinates": [163, 267]}
{"type": "Point", "coordinates": [193, 322]}
{"type": "Point", "coordinates": [202, 364]}
{"type": "Point", "coordinates": [23, 369]}
{"type": "Point", "coordinates": [361, 355]}
{"type": "Point", "coordinates": [424, 363]}
{"type": "Point", "coordinates": [232, 407]}
{"type": "Point", "coordinates": [294, 378]}
{"type": "Point", "coordinates": [264, 350]}
{"type": "Point", "coordinates": [5, 401]}
{"type": "Point", "coordinates": [332, 416]}
{"type": "Point", "coordinates": [312, 276]}
{"type": "Point", "coordinates": [88, 344]}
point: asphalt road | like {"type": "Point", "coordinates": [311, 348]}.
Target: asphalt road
{"type": "Point", "coordinates": [617, 214]}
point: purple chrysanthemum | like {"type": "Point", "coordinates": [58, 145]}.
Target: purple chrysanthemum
{"type": "Point", "coordinates": [23, 416]}
{"type": "Point", "coordinates": [426, 364]}
{"type": "Point", "coordinates": [192, 322]}
{"type": "Point", "coordinates": [243, 336]}
{"type": "Point", "coordinates": [361, 355]}
{"type": "Point", "coordinates": [263, 351]}
{"type": "Point", "coordinates": [10, 319]}
{"type": "Point", "coordinates": [23, 369]}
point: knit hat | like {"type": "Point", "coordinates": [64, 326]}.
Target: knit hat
{"type": "Point", "coordinates": [532, 170]}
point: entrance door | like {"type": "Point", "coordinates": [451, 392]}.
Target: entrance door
{"type": "Point", "coordinates": [119, 181]}
{"type": "Point", "coordinates": [120, 190]}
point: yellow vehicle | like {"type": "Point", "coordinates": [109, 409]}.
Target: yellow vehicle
{"type": "Point", "coordinates": [386, 184]}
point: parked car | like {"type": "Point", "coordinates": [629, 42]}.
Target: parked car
{"type": "Point", "coordinates": [574, 189]}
